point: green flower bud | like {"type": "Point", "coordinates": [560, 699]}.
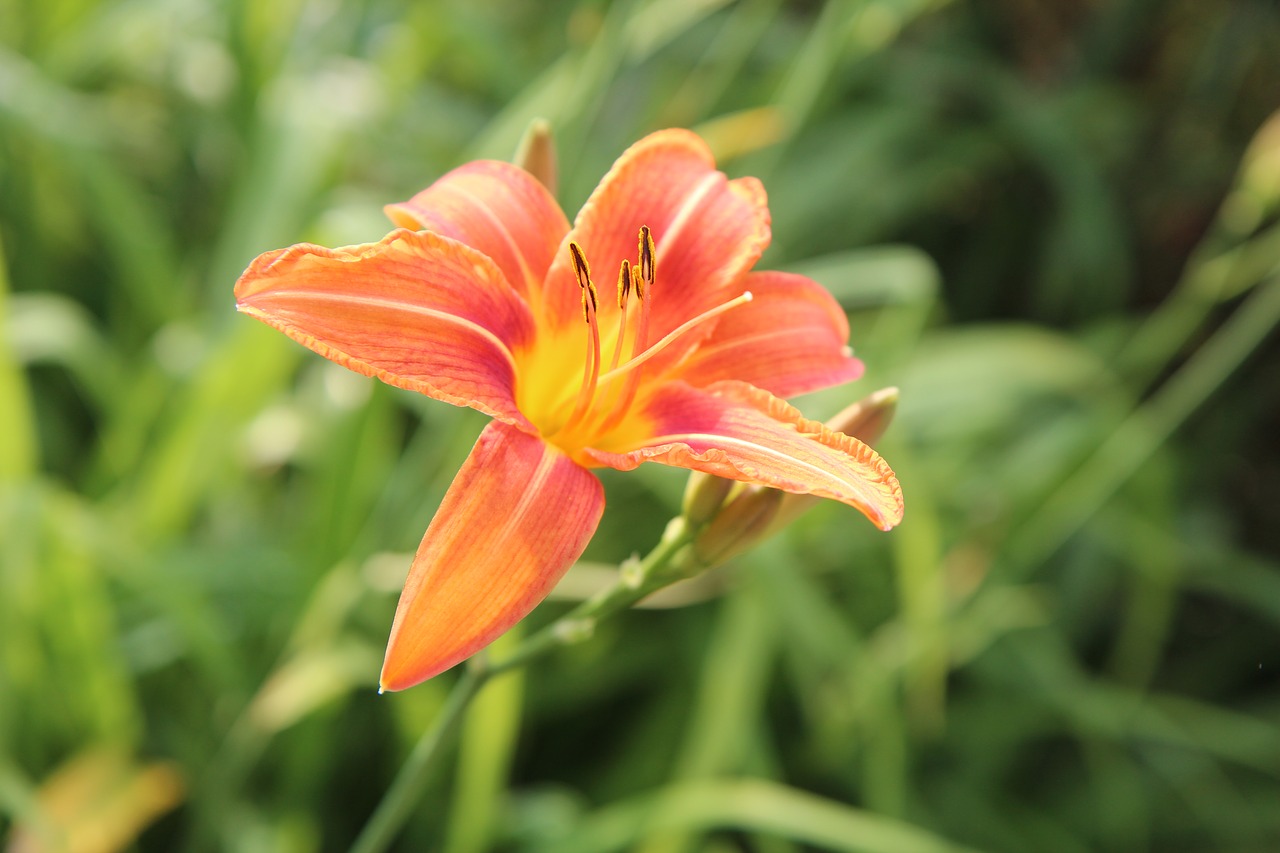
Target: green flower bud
{"type": "Point", "coordinates": [704, 494]}
{"type": "Point", "coordinates": [536, 154]}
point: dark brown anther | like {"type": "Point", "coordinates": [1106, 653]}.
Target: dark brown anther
{"type": "Point", "coordinates": [647, 262]}
{"type": "Point", "coordinates": [583, 272]}
{"type": "Point", "coordinates": [624, 283]}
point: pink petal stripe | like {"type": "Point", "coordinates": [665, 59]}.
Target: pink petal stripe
{"type": "Point", "coordinates": [790, 339]}
{"type": "Point", "coordinates": [708, 230]}
{"type": "Point", "coordinates": [416, 310]}
{"type": "Point", "coordinates": [516, 517]}
{"type": "Point", "coordinates": [739, 432]}
{"type": "Point", "coordinates": [497, 209]}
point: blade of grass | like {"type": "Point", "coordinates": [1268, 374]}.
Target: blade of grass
{"type": "Point", "coordinates": [19, 451]}
{"type": "Point", "coordinates": [486, 750]}
{"type": "Point", "coordinates": [1086, 491]}
{"type": "Point", "coordinates": [729, 701]}
{"type": "Point", "coordinates": [749, 805]}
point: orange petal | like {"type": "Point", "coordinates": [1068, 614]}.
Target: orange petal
{"type": "Point", "coordinates": [739, 432]}
{"type": "Point", "coordinates": [415, 310]}
{"type": "Point", "coordinates": [790, 339]}
{"type": "Point", "coordinates": [708, 230]}
{"type": "Point", "coordinates": [517, 515]}
{"type": "Point", "coordinates": [497, 209]}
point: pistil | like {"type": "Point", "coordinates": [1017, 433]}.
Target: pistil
{"type": "Point", "coordinates": [591, 369]}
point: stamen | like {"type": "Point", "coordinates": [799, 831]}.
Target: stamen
{"type": "Point", "coordinates": [642, 275]}
{"type": "Point", "coordinates": [641, 278]}
{"type": "Point", "coordinates": [624, 284]}
{"type": "Point", "coordinates": [591, 367]}
{"type": "Point", "coordinates": [583, 271]}
{"type": "Point", "coordinates": [647, 255]}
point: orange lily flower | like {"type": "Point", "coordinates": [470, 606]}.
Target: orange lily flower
{"type": "Point", "coordinates": [486, 297]}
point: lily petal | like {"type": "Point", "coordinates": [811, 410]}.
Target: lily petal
{"type": "Point", "coordinates": [790, 339]}
{"type": "Point", "coordinates": [517, 515]}
{"type": "Point", "coordinates": [736, 431]}
{"type": "Point", "coordinates": [708, 230]}
{"type": "Point", "coordinates": [497, 209]}
{"type": "Point", "coordinates": [416, 310]}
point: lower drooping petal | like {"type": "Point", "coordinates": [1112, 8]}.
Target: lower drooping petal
{"type": "Point", "coordinates": [416, 310]}
{"type": "Point", "coordinates": [515, 518]}
{"type": "Point", "coordinates": [790, 339]}
{"type": "Point", "coordinates": [736, 431]}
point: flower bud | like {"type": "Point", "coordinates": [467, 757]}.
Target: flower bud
{"type": "Point", "coordinates": [536, 154]}
{"type": "Point", "coordinates": [740, 524]}
{"type": "Point", "coordinates": [704, 494]}
{"type": "Point", "coordinates": [867, 419]}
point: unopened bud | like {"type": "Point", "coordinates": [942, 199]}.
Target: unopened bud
{"type": "Point", "coordinates": [704, 494]}
{"type": "Point", "coordinates": [536, 154]}
{"type": "Point", "coordinates": [739, 525]}
{"type": "Point", "coordinates": [867, 419]}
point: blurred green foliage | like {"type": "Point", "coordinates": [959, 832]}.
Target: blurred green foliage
{"type": "Point", "coordinates": [1050, 230]}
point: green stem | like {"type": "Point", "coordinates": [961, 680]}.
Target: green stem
{"type": "Point", "coordinates": [669, 561]}
{"type": "Point", "coordinates": [1140, 435]}
{"type": "Point", "coordinates": [665, 564]}
{"type": "Point", "coordinates": [1207, 284]}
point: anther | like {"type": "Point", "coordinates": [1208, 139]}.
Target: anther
{"type": "Point", "coordinates": [624, 283]}
{"type": "Point", "coordinates": [647, 264]}
{"type": "Point", "coordinates": [583, 271]}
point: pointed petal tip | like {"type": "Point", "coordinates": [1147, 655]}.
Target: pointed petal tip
{"type": "Point", "coordinates": [408, 664]}
{"type": "Point", "coordinates": [396, 676]}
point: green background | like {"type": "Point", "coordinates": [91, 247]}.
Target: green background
{"type": "Point", "coordinates": [1051, 230]}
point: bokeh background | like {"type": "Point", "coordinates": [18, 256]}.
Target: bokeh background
{"type": "Point", "coordinates": [1054, 225]}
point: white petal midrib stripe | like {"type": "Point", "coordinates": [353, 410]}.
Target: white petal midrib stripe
{"type": "Point", "coordinates": [396, 305]}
